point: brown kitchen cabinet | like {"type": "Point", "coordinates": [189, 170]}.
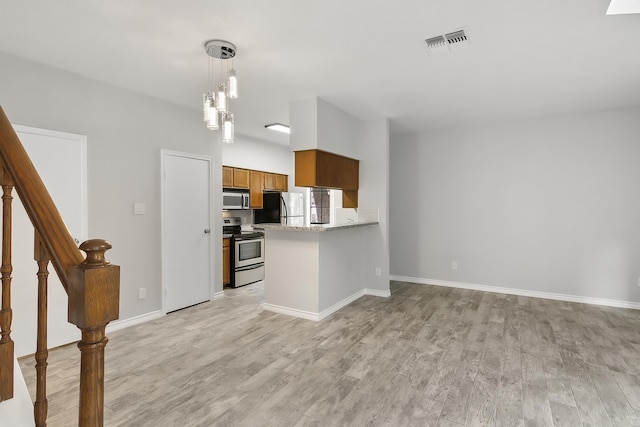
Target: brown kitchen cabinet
{"type": "Point", "coordinates": [241, 178]}
{"type": "Point", "coordinates": [317, 168]}
{"type": "Point", "coordinates": [256, 188]}
{"type": "Point", "coordinates": [275, 182]}
{"type": "Point", "coordinates": [227, 177]}
{"type": "Point", "coordinates": [226, 261]}
{"type": "Point", "coordinates": [269, 181]}
{"type": "Point", "coordinates": [282, 182]}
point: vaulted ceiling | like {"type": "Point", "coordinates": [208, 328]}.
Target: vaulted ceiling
{"type": "Point", "coordinates": [367, 57]}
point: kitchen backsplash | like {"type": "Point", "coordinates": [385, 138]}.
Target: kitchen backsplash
{"type": "Point", "coordinates": [245, 214]}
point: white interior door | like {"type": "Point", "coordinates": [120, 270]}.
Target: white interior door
{"type": "Point", "coordinates": [186, 229]}
{"type": "Point", "coordinates": [60, 159]}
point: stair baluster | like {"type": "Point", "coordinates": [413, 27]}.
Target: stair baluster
{"type": "Point", "coordinates": [6, 343]}
{"type": "Point", "coordinates": [41, 404]}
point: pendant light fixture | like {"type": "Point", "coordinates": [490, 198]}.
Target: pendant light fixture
{"type": "Point", "coordinates": [215, 101]}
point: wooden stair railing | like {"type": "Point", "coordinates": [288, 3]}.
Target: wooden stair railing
{"type": "Point", "coordinates": [92, 284]}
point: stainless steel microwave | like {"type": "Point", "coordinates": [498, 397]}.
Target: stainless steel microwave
{"type": "Point", "coordinates": [235, 200]}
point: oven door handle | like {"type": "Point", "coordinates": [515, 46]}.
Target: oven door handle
{"type": "Point", "coordinates": [250, 267]}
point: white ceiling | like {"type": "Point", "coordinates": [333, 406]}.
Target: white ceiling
{"type": "Point", "coordinates": [526, 58]}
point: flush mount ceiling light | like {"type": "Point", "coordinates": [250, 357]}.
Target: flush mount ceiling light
{"type": "Point", "coordinates": [215, 101]}
{"type": "Point", "coordinates": [279, 127]}
{"type": "Point", "coordinates": [621, 7]}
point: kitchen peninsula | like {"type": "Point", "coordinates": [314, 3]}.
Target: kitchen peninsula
{"type": "Point", "coordinates": [313, 271]}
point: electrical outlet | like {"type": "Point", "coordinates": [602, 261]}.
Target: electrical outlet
{"type": "Point", "coordinates": [142, 293]}
{"type": "Point", "coordinates": [378, 272]}
{"type": "Point", "coordinates": [454, 265]}
{"type": "Point", "coordinates": [639, 282]}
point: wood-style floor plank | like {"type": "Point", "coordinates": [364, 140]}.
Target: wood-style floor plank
{"type": "Point", "coordinates": [426, 356]}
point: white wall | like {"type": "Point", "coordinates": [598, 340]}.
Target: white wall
{"type": "Point", "coordinates": [303, 122]}
{"type": "Point", "coordinates": [373, 153]}
{"type": "Point", "coordinates": [342, 265]}
{"type": "Point", "coordinates": [336, 131]}
{"type": "Point", "coordinates": [125, 132]}
{"type": "Point", "coordinates": [19, 410]}
{"type": "Point", "coordinates": [292, 270]}
{"type": "Point", "coordinates": [339, 132]}
{"type": "Point", "coordinates": [548, 205]}
{"type": "Point", "coordinates": [258, 155]}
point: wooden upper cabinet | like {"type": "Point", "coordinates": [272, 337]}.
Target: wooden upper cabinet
{"type": "Point", "coordinates": [276, 182]}
{"type": "Point", "coordinates": [317, 168]}
{"type": "Point", "coordinates": [227, 176]}
{"type": "Point", "coordinates": [251, 179]}
{"type": "Point", "coordinates": [241, 178]}
{"type": "Point", "coordinates": [256, 189]}
{"type": "Point", "coordinates": [269, 181]}
{"type": "Point", "coordinates": [282, 182]}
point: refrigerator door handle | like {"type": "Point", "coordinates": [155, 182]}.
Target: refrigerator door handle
{"type": "Point", "coordinates": [284, 204]}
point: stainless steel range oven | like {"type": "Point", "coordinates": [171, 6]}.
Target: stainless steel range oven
{"type": "Point", "coordinates": [249, 258]}
{"type": "Point", "coordinates": [247, 253]}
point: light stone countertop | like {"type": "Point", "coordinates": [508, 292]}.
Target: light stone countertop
{"type": "Point", "coordinates": [314, 227]}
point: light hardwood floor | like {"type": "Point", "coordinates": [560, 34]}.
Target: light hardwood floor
{"type": "Point", "coordinates": [427, 355]}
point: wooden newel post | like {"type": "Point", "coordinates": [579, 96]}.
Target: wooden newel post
{"type": "Point", "coordinates": [94, 299]}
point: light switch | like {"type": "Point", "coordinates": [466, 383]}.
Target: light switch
{"type": "Point", "coordinates": [139, 208]}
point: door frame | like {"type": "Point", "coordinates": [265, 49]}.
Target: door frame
{"type": "Point", "coordinates": [84, 199]}
{"type": "Point", "coordinates": [163, 154]}
{"type": "Point", "coordinates": [65, 332]}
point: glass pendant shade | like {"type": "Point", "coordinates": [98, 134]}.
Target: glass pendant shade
{"type": "Point", "coordinates": [227, 128]}
{"type": "Point", "coordinates": [213, 123]}
{"type": "Point", "coordinates": [221, 89]}
{"type": "Point", "coordinates": [233, 84]}
{"type": "Point", "coordinates": [206, 102]}
{"type": "Point", "coordinates": [221, 99]}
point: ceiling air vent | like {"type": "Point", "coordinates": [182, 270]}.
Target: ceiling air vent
{"type": "Point", "coordinates": [447, 42]}
{"type": "Point", "coordinates": [456, 37]}
{"type": "Point", "coordinates": [436, 42]}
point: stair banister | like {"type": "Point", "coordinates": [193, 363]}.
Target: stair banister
{"type": "Point", "coordinates": [92, 283]}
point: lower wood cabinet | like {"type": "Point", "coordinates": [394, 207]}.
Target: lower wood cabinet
{"type": "Point", "coordinates": [226, 261]}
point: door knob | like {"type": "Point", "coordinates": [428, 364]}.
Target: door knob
{"type": "Point", "coordinates": [207, 230]}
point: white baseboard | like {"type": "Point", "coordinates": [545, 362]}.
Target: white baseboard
{"type": "Point", "coordinates": [521, 292]}
{"type": "Point", "coordinates": [378, 293]}
{"type": "Point", "coordinates": [121, 324]}
{"type": "Point", "coordinates": [309, 315]}
{"type": "Point", "coordinates": [291, 312]}
{"type": "Point", "coordinates": [136, 320]}
{"type": "Point", "coordinates": [340, 304]}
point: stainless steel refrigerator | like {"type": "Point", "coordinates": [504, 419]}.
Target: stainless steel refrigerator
{"type": "Point", "coordinates": [281, 208]}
